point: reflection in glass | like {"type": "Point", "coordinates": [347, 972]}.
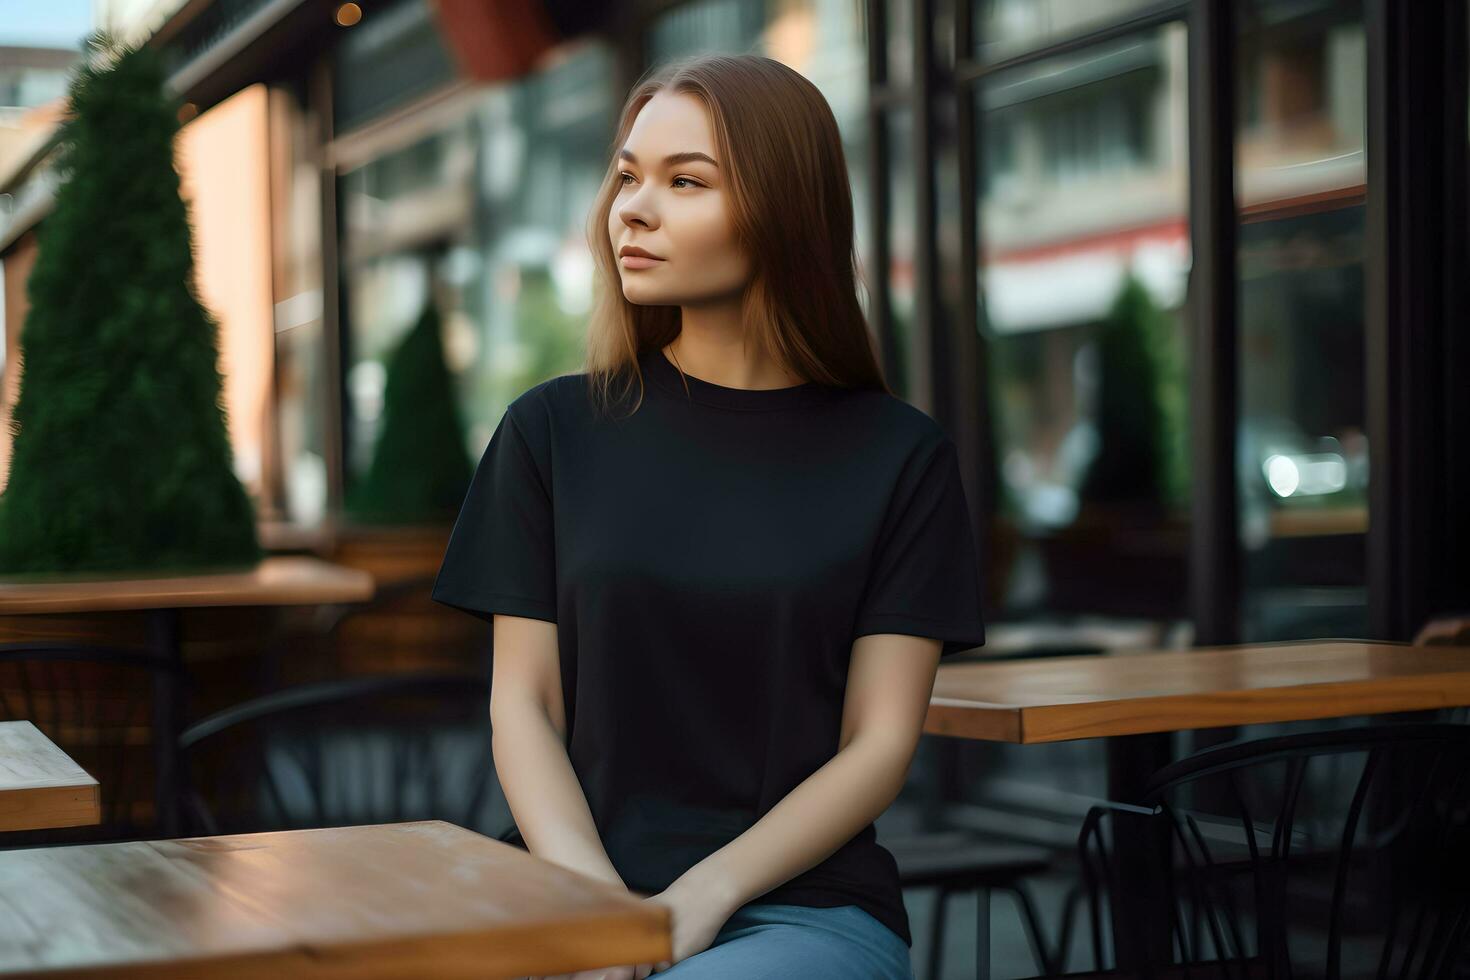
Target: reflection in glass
{"type": "Point", "coordinates": [1303, 453]}
{"type": "Point", "coordinates": [463, 220]}
{"type": "Point", "coordinates": [899, 44]}
{"type": "Point", "coordinates": [387, 61]}
{"type": "Point", "coordinates": [1005, 28]}
{"type": "Point", "coordinates": [1084, 261]}
{"type": "Point", "coordinates": [705, 26]}
{"type": "Point", "coordinates": [299, 459]}
{"type": "Point", "coordinates": [902, 219]}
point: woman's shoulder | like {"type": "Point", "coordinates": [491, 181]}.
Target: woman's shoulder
{"type": "Point", "coordinates": [559, 404]}
{"type": "Point", "coordinates": [890, 419]}
{"type": "Point", "coordinates": [550, 395]}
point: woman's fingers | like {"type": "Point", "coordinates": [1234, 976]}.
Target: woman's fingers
{"type": "Point", "coordinates": [638, 972]}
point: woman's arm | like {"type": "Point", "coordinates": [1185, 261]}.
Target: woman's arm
{"type": "Point", "coordinates": [890, 680]}
{"type": "Point", "coordinates": [528, 739]}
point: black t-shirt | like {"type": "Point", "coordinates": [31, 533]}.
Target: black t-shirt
{"type": "Point", "coordinates": [709, 561]}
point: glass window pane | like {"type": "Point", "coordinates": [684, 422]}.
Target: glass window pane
{"type": "Point", "coordinates": [1303, 453]}
{"type": "Point", "coordinates": [900, 42]}
{"type": "Point", "coordinates": [462, 220]}
{"type": "Point", "coordinates": [1005, 28]}
{"type": "Point", "coordinates": [388, 60]}
{"type": "Point", "coordinates": [1083, 215]}
{"type": "Point", "coordinates": [902, 219]}
{"type": "Point", "coordinates": [724, 26]}
{"type": "Point", "coordinates": [300, 459]}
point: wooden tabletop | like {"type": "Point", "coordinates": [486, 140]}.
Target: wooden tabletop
{"type": "Point", "coordinates": [276, 581]}
{"type": "Point", "coordinates": [1058, 698]}
{"type": "Point", "coordinates": [40, 786]}
{"type": "Point", "coordinates": [408, 900]}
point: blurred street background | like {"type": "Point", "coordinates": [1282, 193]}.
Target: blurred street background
{"type": "Point", "coordinates": [1185, 279]}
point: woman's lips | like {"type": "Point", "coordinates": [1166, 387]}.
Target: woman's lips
{"type": "Point", "coordinates": [639, 262]}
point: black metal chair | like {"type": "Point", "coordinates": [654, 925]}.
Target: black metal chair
{"type": "Point", "coordinates": [96, 703]}
{"type": "Point", "coordinates": [328, 617]}
{"type": "Point", "coordinates": [1449, 630]}
{"type": "Point", "coordinates": [1304, 874]}
{"type": "Point", "coordinates": [306, 644]}
{"type": "Point", "coordinates": [359, 750]}
{"type": "Point", "coordinates": [959, 861]}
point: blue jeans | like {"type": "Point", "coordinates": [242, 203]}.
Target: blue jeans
{"type": "Point", "coordinates": [773, 942]}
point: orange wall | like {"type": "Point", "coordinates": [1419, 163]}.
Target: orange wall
{"type": "Point", "coordinates": [18, 263]}
{"type": "Point", "coordinates": [222, 162]}
{"type": "Point", "coordinates": [221, 159]}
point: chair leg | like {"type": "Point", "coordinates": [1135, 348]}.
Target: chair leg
{"type": "Point", "coordinates": [982, 933]}
{"type": "Point", "coordinates": [1064, 936]}
{"type": "Point", "coordinates": [1032, 923]}
{"type": "Point", "coordinates": [936, 932]}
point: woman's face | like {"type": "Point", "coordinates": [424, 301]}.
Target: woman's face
{"type": "Point", "coordinates": [676, 209]}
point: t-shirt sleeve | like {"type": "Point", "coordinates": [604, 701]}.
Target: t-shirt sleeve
{"type": "Point", "coordinates": [501, 552]}
{"type": "Point", "coordinates": [924, 579]}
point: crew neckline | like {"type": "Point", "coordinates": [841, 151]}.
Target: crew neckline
{"type": "Point", "coordinates": [667, 375]}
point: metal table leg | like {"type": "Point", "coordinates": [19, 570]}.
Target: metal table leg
{"type": "Point", "coordinates": [1141, 915]}
{"type": "Point", "coordinates": [168, 716]}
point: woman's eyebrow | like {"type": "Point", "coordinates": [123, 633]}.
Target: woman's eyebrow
{"type": "Point", "coordinates": [673, 158]}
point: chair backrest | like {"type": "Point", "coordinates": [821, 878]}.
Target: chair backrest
{"type": "Point", "coordinates": [358, 750]}
{"type": "Point", "coordinates": [1328, 853]}
{"type": "Point", "coordinates": [1452, 630]}
{"type": "Point", "coordinates": [96, 704]}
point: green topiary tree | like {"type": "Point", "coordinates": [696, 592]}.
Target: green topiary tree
{"type": "Point", "coordinates": [121, 456]}
{"type": "Point", "coordinates": [1142, 456]}
{"type": "Point", "coordinates": [420, 469]}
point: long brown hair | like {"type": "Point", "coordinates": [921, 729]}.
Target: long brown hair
{"type": "Point", "coordinates": [791, 206]}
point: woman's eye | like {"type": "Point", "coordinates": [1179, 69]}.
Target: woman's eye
{"type": "Point", "coordinates": [676, 180]}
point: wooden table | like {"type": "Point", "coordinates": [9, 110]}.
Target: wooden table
{"type": "Point", "coordinates": [1130, 698]}
{"type": "Point", "coordinates": [40, 786]}
{"type": "Point", "coordinates": [275, 581]}
{"type": "Point", "coordinates": [1060, 698]}
{"type": "Point", "coordinates": [407, 900]}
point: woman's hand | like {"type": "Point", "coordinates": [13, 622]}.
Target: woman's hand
{"type": "Point", "coordinates": [603, 973]}
{"type": "Point", "coordinates": [698, 912]}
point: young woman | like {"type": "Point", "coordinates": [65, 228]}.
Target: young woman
{"type": "Point", "coordinates": [718, 608]}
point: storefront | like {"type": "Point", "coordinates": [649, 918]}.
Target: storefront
{"type": "Point", "coordinates": [1280, 187]}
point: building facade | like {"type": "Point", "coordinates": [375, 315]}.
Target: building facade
{"type": "Point", "coordinates": [1142, 259]}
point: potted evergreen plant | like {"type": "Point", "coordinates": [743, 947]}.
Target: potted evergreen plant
{"type": "Point", "coordinates": [121, 454]}
{"type": "Point", "coordinates": [420, 468]}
